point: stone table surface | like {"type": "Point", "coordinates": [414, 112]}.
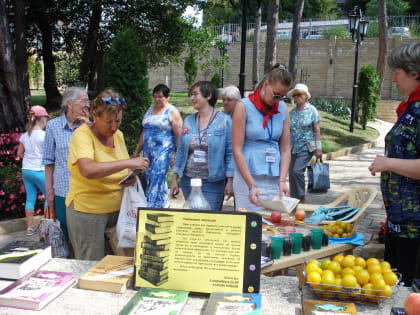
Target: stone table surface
{"type": "Point", "coordinates": [280, 295]}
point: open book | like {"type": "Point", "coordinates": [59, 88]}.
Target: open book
{"type": "Point", "coordinates": [286, 204]}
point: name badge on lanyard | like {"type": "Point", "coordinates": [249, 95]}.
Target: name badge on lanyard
{"type": "Point", "coordinates": [199, 156]}
{"type": "Point", "coordinates": [270, 152]}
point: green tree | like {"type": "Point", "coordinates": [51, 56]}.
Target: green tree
{"type": "Point", "coordinates": [215, 79]}
{"type": "Point", "coordinates": [336, 30]}
{"type": "Point", "coordinates": [36, 72]}
{"type": "Point", "coordinates": [393, 7]}
{"type": "Point", "coordinates": [125, 70]}
{"type": "Point", "coordinates": [190, 69]}
{"type": "Point", "coordinates": [367, 93]}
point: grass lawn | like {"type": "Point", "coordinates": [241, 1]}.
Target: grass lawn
{"type": "Point", "coordinates": [38, 97]}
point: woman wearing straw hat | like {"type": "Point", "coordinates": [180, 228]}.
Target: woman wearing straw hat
{"type": "Point", "coordinates": [305, 138]}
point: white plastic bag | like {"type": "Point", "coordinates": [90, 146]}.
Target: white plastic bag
{"type": "Point", "coordinates": [133, 197]}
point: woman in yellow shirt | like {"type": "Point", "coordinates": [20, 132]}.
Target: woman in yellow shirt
{"type": "Point", "coordinates": [98, 160]}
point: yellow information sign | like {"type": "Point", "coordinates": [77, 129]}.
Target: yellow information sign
{"type": "Point", "coordinates": [198, 251]}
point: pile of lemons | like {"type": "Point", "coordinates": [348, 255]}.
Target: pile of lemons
{"type": "Point", "coordinates": [338, 229]}
{"type": "Point", "coordinates": [359, 276]}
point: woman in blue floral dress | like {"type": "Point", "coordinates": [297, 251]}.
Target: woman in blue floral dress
{"type": "Point", "coordinates": [161, 130]}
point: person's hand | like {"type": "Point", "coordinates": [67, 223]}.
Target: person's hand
{"type": "Point", "coordinates": [380, 164]}
{"type": "Point", "coordinates": [50, 197]}
{"type": "Point", "coordinates": [318, 153]}
{"type": "Point", "coordinates": [254, 196]}
{"type": "Point", "coordinates": [174, 189]}
{"type": "Point", "coordinates": [82, 119]}
{"type": "Point", "coordinates": [229, 189]}
{"type": "Point", "coordinates": [140, 163]}
{"type": "Point", "coordinates": [129, 182]}
{"type": "Point", "coordinates": [284, 189]}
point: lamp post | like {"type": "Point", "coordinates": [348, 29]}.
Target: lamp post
{"type": "Point", "coordinates": [223, 49]}
{"type": "Point", "coordinates": [358, 28]}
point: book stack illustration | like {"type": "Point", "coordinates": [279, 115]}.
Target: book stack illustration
{"type": "Point", "coordinates": [156, 248]}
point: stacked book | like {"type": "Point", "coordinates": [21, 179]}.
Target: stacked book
{"type": "Point", "coordinates": [156, 248]}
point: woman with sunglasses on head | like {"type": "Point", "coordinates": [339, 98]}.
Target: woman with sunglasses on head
{"type": "Point", "coordinates": [305, 138]}
{"type": "Point", "coordinates": [161, 129]}
{"type": "Point", "coordinates": [98, 160]}
{"type": "Point", "coordinates": [205, 148]}
{"type": "Point", "coordinates": [261, 141]}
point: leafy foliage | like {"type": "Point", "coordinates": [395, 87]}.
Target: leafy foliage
{"type": "Point", "coordinates": [373, 30]}
{"type": "Point", "coordinates": [336, 30]}
{"type": "Point", "coordinates": [66, 69]}
{"type": "Point", "coordinates": [190, 69]}
{"type": "Point", "coordinates": [216, 80]}
{"type": "Point", "coordinates": [126, 71]}
{"type": "Point", "coordinates": [367, 95]}
{"type": "Point", "coordinates": [393, 7]}
{"type": "Point", "coordinates": [337, 107]}
{"type": "Point", "coordinates": [35, 71]}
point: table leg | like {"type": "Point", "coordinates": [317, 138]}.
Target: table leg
{"type": "Point", "coordinates": [299, 274]}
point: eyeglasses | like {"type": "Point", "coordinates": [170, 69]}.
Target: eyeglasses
{"type": "Point", "coordinates": [298, 94]}
{"type": "Point", "coordinates": [110, 100]}
{"type": "Point", "coordinates": [276, 97]}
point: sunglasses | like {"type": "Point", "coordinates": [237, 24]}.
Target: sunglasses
{"type": "Point", "coordinates": [276, 97]}
{"type": "Point", "coordinates": [298, 94]}
{"type": "Point", "coordinates": [110, 100]}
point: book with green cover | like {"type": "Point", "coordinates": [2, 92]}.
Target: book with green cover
{"type": "Point", "coordinates": [156, 301]}
{"type": "Point", "coordinates": [156, 229]}
{"type": "Point", "coordinates": [155, 280]}
{"type": "Point", "coordinates": [160, 217]}
{"type": "Point", "coordinates": [153, 272]}
{"type": "Point", "coordinates": [149, 258]}
{"type": "Point", "coordinates": [160, 224]}
{"type": "Point", "coordinates": [146, 245]}
{"type": "Point", "coordinates": [156, 265]}
{"type": "Point", "coordinates": [156, 237]}
{"type": "Point", "coordinates": [156, 253]}
{"type": "Point", "coordinates": [234, 303]}
{"type": "Point", "coordinates": [156, 242]}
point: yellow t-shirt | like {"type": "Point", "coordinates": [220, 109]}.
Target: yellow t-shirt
{"type": "Point", "coordinates": [101, 195]}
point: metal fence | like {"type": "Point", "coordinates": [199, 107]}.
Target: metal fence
{"type": "Point", "coordinates": [309, 28]}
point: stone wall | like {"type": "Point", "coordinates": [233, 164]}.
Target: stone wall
{"type": "Point", "coordinates": [386, 110]}
{"type": "Point", "coordinates": [328, 62]}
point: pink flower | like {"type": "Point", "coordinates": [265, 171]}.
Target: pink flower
{"type": "Point", "coordinates": [41, 197]}
{"type": "Point", "coordinates": [2, 193]}
{"type": "Point", "coordinates": [12, 196]}
{"type": "Point", "coordinates": [13, 207]}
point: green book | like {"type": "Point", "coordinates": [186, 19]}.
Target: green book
{"type": "Point", "coordinates": [156, 242]}
{"type": "Point", "coordinates": [156, 301]}
{"type": "Point", "coordinates": [156, 265]}
{"type": "Point", "coordinates": [234, 303]}
{"type": "Point", "coordinates": [160, 217]}
{"type": "Point", "coordinates": [155, 280]}
{"type": "Point", "coordinates": [160, 224]}
{"type": "Point", "coordinates": [153, 272]}
{"type": "Point", "coordinates": [156, 253]}
{"type": "Point", "coordinates": [149, 258]}
{"type": "Point", "coordinates": [155, 229]}
{"type": "Point", "coordinates": [146, 245]}
{"type": "Point", "coordinates": [155, 237]}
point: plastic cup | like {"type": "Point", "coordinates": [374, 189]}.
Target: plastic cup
{"type": "Point", "coordinates": [276, 246]}
{"type": "Point", "coordinates": [317, 238]}
{"type": "Point", "coordinates": [296, 239]}
{"type": "Point", "coordinates": [306, 243]}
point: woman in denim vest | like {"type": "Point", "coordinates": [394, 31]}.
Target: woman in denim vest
{"type": "Point", "coordinates": [400, 167]}
{"type": "Point", "coordinates": [261, 142]}
{"type": "Point", "coordinates": [205, 148]}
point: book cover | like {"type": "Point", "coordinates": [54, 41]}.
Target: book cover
{"type": "Point", "coordinates": [266, 261]}
{"type": "Point", "coordinates": [233, 303]}
{"type": "Point", "coordinates": [111, 274]}
{"type": "Point", "coordinates": [316, 307]}
{"type": "Point", "coordinates": [286, 204]}
{"type": "Point", "coordinates": [153, 272]}
{"type": "Point", "coordinates": [165, 241]}
{"type": "Point", "coordinates": [147, 245]}
{"type": "Point", "coordinates": [36, 289]}
{"type": "Point", "coordinates": [149, 258]}
{"type": "Point", "coordinates": [19, 258]}
{"type": "Point", "coordinates": [156, 252]}
{"type": "Point", "coordinates": [160, 217]}
{"type": "Point", "coordinates": [156, 265]}
{"type": "Point", "coordinates": [156, 301]}
{"type": "Point", "coordinates": [155, 280]}
{"type": "Point", "coordinates": [156, 229]}
{"type": "Point", "coordinates": [156, 237]}
{"type": "Point", "coordinates": [160, 224]}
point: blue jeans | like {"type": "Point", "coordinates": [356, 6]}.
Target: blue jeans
{"type": "Point", "coordinates": [212, 191]}
{"type": "Point", "coordinates": [33, 180]}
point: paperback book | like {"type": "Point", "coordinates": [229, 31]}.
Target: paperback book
{"type": "Point", "coordinates": [266, 261]}
{"type": "Point", "coordinates": [111, 274]}
{"type": "Point", "coordinates": [233, 303]}
{"type": "Point", "coordinates": [286, 204]}
{"type": "Point", "coordinates": [19, 258]}
{"type": "Point", "coordinates": [316, 307]}
{"type": "Point", "coordinates": [36, 290]}
{"type": "Point", "coordinates": [152, 301]}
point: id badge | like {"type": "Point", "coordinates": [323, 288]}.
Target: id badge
{"type": "Point", "coordinates": [270, 155]}
{"type": "Point", "coordinates": [199, 156]}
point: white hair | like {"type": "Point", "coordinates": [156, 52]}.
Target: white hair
{"type": "Point", "coordinates": [232, 92]}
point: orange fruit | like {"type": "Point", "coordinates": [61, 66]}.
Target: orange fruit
{"type": "Point", "coordinates": [334, 267]}
{"type": "Point", "coordinates": [375, 276]}
{"type": "Point", "coordinates": [360, 262]}
{"type": "Point", "coordinates": [325, 263]}
{"type": "Point", "coordinates": [368, 289]}
{"type": "Point", "coordinates": [374, 268]}
{"type": "Point", "coordinates": [338, 258]}
{"type": "Point", "coordinates": [379, 285]}
{"type": "Point", "coordinates": [349, 281]}
{"type": "Point", "coordinates": [317, 262]}
{"type": "Point", "coordinates": [327, 278]}
{"type": "Point", "coordinates": [362, 276]}
{"type": "Point", "coordinates": [314, 277]}
{"type": "Point", "coordinates": [385, 265]}
{"type": "Point", "coordinates": [348, 261]}
{"type": "Point", "coordinates": [356, 268]}
{"type": "Point", "coordinates": [371, 261]}
{"type": "Point", "coordinates": [386, 291]}
{"type": "Point", "coordinates": [346, 271]}
{"type": "Point", "coordinates": [390, 278]}
{"type": "Point", "coordinates": [311, 267]}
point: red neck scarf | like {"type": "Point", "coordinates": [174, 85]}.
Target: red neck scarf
{"type": "Point", "coordinates": [256, 100]}
{"type": "Point", "coordinates": [414, 97]}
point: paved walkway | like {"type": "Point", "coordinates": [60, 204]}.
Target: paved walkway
{"type": "Point", "coordinates": [346, 172]}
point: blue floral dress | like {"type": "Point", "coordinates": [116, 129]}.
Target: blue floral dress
{"type": "Point", "coordinates": [158, 146]}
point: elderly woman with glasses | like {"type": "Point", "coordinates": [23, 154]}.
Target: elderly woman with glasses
{"type": "Point", "coordinates": [230, 96]}
{"type": "Point", "coordinates": [305, 138]}
{"type": "Point", "coordinates": [261, 142]}
{"type": "Point", "coordinates": [98, 160]}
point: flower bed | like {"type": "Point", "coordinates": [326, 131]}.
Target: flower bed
{"type": "Point", "coordinates": [12, 191]}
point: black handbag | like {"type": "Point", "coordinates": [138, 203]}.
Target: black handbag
{"type": "Point", "coordinates": [318, 177]}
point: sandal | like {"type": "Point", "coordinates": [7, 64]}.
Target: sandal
{"type": "Point", "coordinates": [30, 231]}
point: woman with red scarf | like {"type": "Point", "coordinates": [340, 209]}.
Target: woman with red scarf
{"type": "Point", "coordinates": [400, 167]}
{"type": "Point", "coordinates": [261, 142]}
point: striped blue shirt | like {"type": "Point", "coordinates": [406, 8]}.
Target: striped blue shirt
{"type": "Point", "coordinates": [56, 151]}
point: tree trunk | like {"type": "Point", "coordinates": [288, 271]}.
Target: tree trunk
{"type": "Point", "coordinates": [20, 52]}
{"type": "Point", "coordinates": [256, 49]}
{"type": "Point", "coordinates": [95, 73]}
{"type": "Point", "coordinates": [294, 42]}
{"type": "Point", "coordinates": [383, 43]}
{"type": "Point", "coordinates": [88, 57]}
{"type": "Point", "coordinates": [270, 44]}
{"type": "Point", "coordinates": [12, 112]}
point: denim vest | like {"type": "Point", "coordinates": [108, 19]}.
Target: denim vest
{"type": "Point", "coordinates": [257, 139]}
{"type": "Point", "coordinates": [220, 158]}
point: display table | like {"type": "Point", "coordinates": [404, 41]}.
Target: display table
{"type": "Point", "coordinates": [296, 260]}
{"type": "Point", "coordinates": [280, 295]}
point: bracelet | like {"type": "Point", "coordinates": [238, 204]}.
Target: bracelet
{"type": "Point", "coordinates": [252, 186]}
{"type": "Point", "coordinates": [318, 144]}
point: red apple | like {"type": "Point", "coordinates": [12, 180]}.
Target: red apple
{"type": "Point", "coordinates": [276, 216]}
{"type": "Point", "coordinates": [412, 304]}
{"type": "Point", "coordinates": [300, 215]}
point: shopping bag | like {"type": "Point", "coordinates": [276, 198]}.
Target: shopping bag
{"type": "Point", "coordinates": [133, 197]}
{"type": "Point", "coordinates": [50, 232]}
{"type": "Point", "coordinates": [318, 177]}
{"type": "Point", "coordinates": [323, 213]}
